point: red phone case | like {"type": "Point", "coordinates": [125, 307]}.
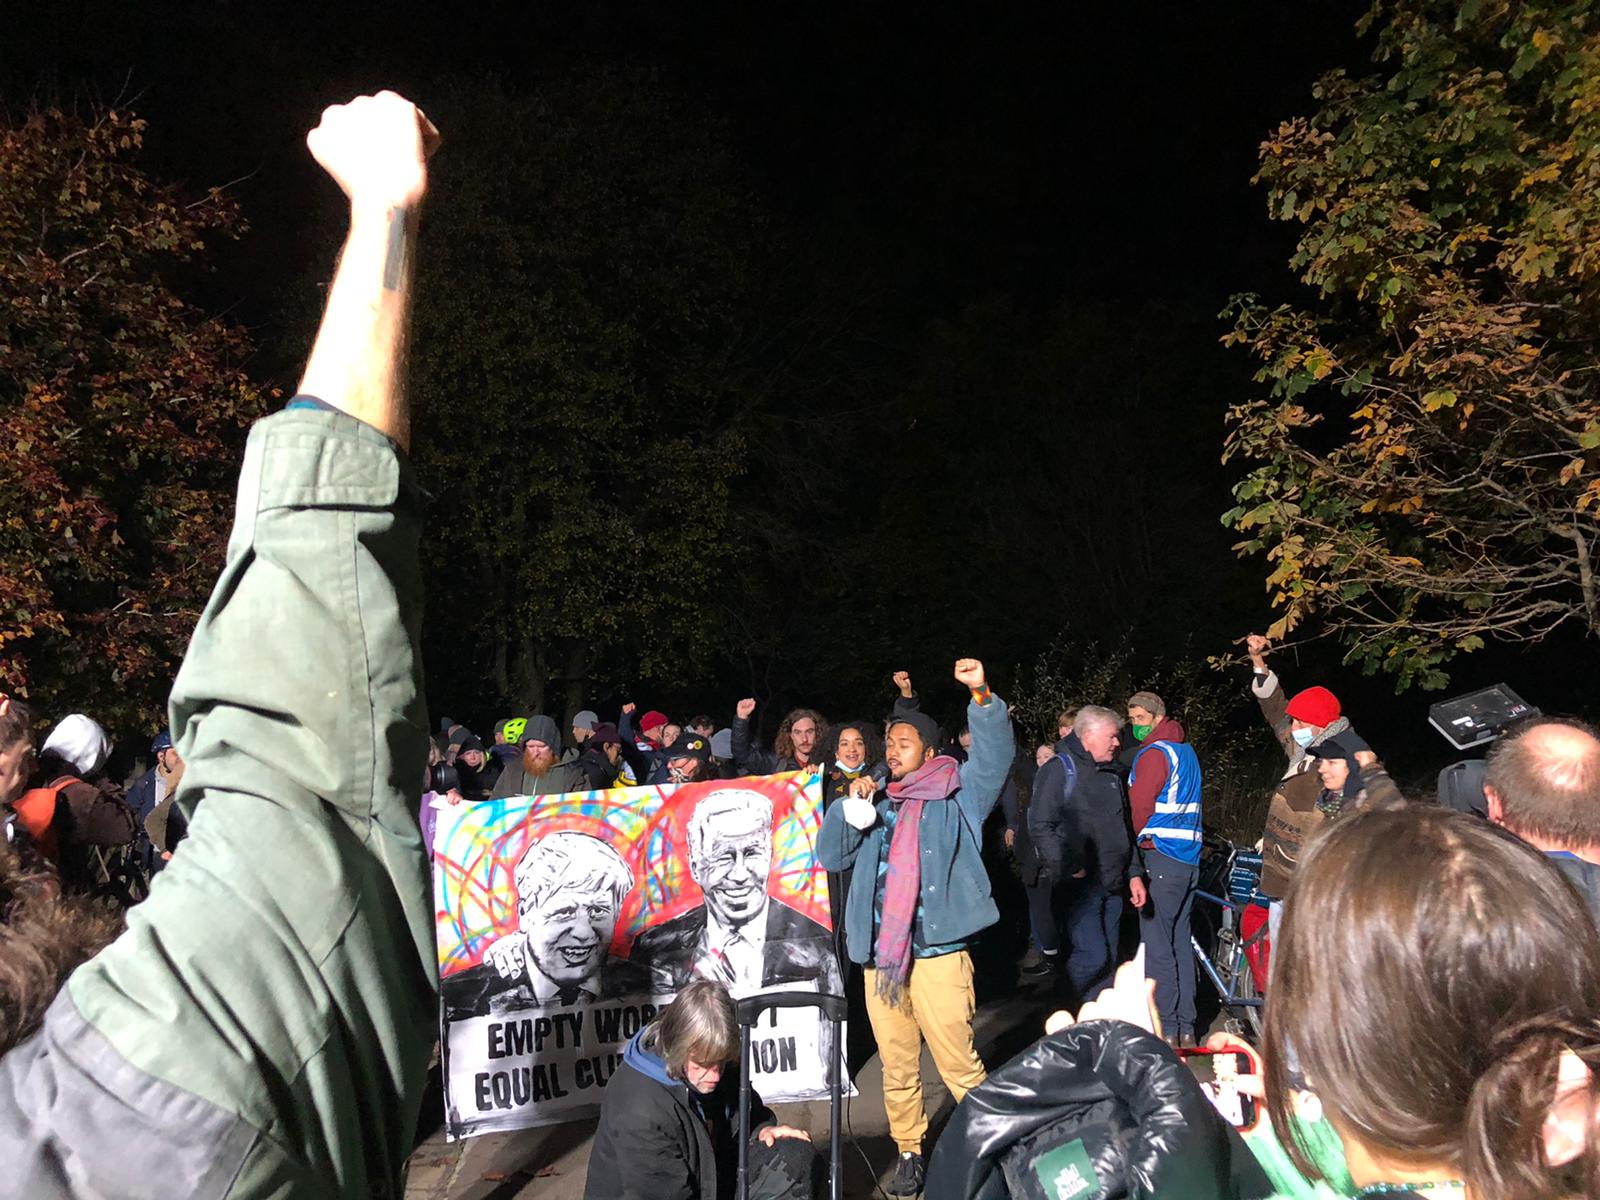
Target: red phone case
{"type": "Point", "coordinates": [1252, 1059]}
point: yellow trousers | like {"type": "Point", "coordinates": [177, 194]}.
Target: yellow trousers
{"type": "Point", "coordinates": [937, 1004]}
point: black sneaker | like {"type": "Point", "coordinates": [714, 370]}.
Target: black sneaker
{"type": "Point", "coordinates": [1043, 969]}
{"type": "Point", "coordinates": [907, 1179]}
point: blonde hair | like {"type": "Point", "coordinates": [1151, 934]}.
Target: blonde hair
{"type": "Point", "coordinates": [698, 1026]}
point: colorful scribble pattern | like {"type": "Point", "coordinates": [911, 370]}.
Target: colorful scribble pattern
{"type": "Point", "coordinates": [477, 846]}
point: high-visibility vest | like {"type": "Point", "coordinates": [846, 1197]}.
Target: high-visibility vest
{"type": "Point", "coordinates": [1174, 827]}
{"type": "Point", "coordinates": [36, 809]}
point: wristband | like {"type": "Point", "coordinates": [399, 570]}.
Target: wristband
{"type": "Point", "coordinates": [981, 695]}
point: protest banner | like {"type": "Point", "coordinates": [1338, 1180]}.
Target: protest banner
{"type": "Point", "coordinates": [565, 923]}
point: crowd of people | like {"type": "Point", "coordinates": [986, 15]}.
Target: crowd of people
{"type": "Point", "coordinates": [264, 1017]}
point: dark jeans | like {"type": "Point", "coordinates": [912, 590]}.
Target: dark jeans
{"type": "Point", "coordinates": [1090, 917]}
{"type": "Point", "coordinates": [1164, 926]}
{"type": "Point", "coordinates": [1042, 916]}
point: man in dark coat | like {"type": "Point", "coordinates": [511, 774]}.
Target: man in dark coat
{"type": "Point", "coordinates": [794, 749]}
{"type": "Point", "coordinates": [1079, 826]}
{"type": "Point", "coordinates": [151, 788]}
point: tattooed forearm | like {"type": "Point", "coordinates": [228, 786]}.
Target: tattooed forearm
{"type": "Point", "coordinates": [396, 260]}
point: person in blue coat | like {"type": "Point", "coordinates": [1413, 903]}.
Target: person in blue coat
{"type": "Point", "coordinates": [918, 894]}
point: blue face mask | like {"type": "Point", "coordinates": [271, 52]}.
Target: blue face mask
{"type": "Point", "coordinates": [1303, 737]}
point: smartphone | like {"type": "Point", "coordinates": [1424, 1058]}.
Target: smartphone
{"type": "Point", "coordinates": [1218, 1072]}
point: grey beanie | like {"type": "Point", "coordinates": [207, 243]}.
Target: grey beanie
{"type": "Point", "coordinates": [542, 729]}
{"type": "Point", "coordinates": [1148, 701]}
{"type": "Point", "coordinates": [586, 720]}
{"type": "Point", "coordinates": [722, 745]}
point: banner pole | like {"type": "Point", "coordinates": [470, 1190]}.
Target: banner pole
{"type": "Point", "coordinates": [744, 1112]}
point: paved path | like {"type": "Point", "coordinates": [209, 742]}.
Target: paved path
{"type": "Point", "coordinates": [551, 1164]}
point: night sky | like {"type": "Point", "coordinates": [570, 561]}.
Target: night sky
{"type": "Point", "coordinates": [1043, 152]}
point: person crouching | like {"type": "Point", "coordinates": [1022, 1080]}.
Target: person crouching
{"type": "Point", "coordinates": [669, 1121]}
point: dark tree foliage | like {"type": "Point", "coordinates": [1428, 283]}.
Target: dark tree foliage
{"type": "Point", "coordinates": [588, 339]}
{"type": "Point", "coordinates": [1424, 452]}
{"type": "Point", "coordinates": [122, 413]}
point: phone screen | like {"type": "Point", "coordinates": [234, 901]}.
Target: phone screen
{"type": "Point", "coordinates": [1218, 1073]}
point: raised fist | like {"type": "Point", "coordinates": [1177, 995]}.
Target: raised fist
{"type": "Point", "coordinates": [376, 148]}
{"type": "Point", "coordinates": [969, 672]}
{"type": "Point", "coordinates": [902, 680]}
{"type": "Point", "coordinates": [744, 708]}
{"type": "Point", "coordinates": [1256, 647]}
{"type": "Point", "coordinates": [509, 955]}
{"type": "Point", "coordinates": [630, 708]}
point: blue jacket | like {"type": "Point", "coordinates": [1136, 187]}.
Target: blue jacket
{"type": "Point", "coordinates": [956, 902]}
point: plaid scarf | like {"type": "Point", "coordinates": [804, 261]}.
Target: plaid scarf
{"type": "Point", "coordinates": [937, 779]}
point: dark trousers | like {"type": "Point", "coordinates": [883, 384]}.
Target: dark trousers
{"type": "Point", "coordinates": [1164, 927]}
{"type": "Point", "coordinates": [1042, 915]}
{"type": "Point", "coordinates": [1090, 917]}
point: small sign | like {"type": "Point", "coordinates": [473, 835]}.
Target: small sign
{"type": "Point", "coordinates": [1066, 1173]}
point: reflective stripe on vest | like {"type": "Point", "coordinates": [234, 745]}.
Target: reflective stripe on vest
{"type": "Point", "coordinates": [1174, 827]}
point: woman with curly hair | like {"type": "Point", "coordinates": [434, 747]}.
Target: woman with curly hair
{"type": "Point", "coordinates": [849, 751]}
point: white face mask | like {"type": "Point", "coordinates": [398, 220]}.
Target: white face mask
{"type": "Point", "coordinates": [1303, 737]}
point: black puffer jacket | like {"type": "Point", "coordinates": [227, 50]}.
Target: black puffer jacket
{"type": "Point", "coordinates": [1104, 1103]}
{"type": "Point", "coordinates": [599, 772]}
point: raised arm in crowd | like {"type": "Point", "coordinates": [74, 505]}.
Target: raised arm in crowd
{"type": "Point", "coordinates": [263, 1025]}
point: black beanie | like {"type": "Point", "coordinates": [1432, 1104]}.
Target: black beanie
{"type": "Point", "coordinates": [927, 728]}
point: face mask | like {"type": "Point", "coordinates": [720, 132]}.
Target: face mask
{"type": "Point", "coordinates": [1303, 738]}
{"type": "Point", "coordinates": [1140, 732]}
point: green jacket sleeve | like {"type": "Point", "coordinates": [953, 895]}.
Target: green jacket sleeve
{"type": "Point", "coordinates": [268, 1015]}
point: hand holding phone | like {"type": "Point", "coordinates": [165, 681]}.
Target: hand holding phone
{"type": "Point", "coordinates": [1229, 1072]}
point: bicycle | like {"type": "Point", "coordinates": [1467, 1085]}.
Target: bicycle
{"type": "Point", "coordinates": [1235, 871]}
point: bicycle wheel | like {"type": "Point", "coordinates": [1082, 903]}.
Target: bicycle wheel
{"type": "Point", "coordinates": [1243, 987]}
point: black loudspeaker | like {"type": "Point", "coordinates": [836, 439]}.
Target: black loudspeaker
{"type": "Point", "coordinates": [1479, 717]}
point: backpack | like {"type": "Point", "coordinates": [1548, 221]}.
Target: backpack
{"type": "Point", "coordinates": [112, 870]}
{"type": "Point", "coordinates": [1069, 783]}
{"type": "Point", "coordinates": [36, 810]}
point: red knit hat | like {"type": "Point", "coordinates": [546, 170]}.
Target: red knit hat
{"type": "Point", "coordinates": [1315, 706]}
{"type": "Point", "coordinates": [655, 720]}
